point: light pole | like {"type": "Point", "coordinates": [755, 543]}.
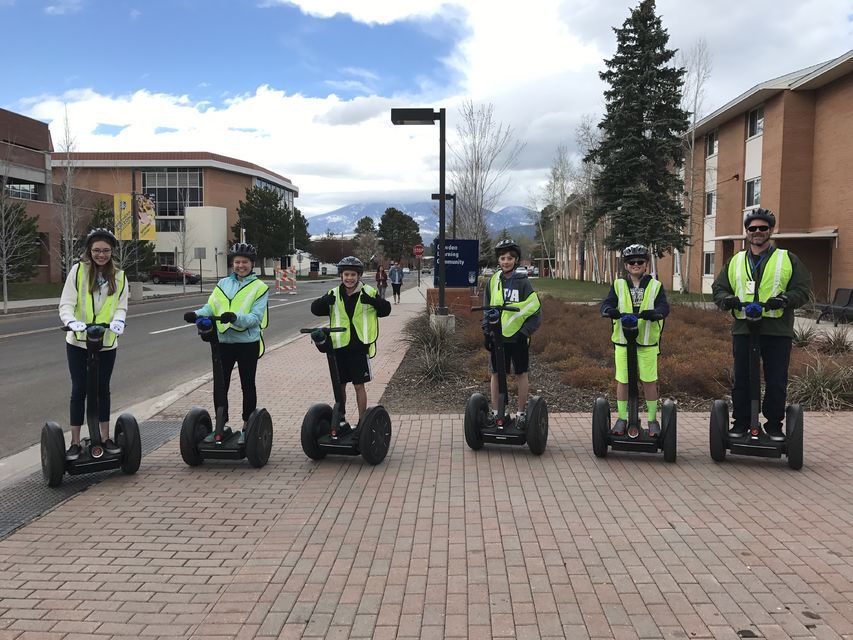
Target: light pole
{"type": "Point", "coordinates": [429, 116]}
{"type": "Point", "coordinates": [449, 196]}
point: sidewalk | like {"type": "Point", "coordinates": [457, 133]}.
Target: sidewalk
{"type": "Point", "coordinates": [438, 540]}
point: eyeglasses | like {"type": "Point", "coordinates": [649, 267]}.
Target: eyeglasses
{"type": "Point", "coordinates": [105, 252]}
{"type": "Point", "coordinates": [755, 228]}
{"type": "Point", "coordinates": [635, 263]}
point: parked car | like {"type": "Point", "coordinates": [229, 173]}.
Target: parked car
{"type": "Point", "coordinates": [521, 271]}
{"type": "Point", "coordinates": [171, 273]}
{"type": "Point", "coordinates": [406, 270]}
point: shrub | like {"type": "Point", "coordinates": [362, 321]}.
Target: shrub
{"type": "Point", "coordinates": [804, 335]}
{"type": "Point", "coordinates": [437, 350]}
{"type": "Point", "coordinates": [834, 342]}
{"type": "Point", "coordinates": [823, 386]}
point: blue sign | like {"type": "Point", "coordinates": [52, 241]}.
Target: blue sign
{"type": "Point", "coordinates": [460, 262]}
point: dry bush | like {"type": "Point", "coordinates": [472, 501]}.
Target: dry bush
{"type": "Point", "coordinates": [834, 342]}
{"type": "Point", "coordinates": [824, 384]}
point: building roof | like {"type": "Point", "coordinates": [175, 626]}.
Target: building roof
{"type": "Point", "coordinates": [24, 132]}
{"type": "Point", "coordinates": [145, 159]}
{"type": "Point", "coordinates": [807, 79]}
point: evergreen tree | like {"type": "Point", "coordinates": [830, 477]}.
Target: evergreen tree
{"type": "Point", "coordinates": [638, 188]}
{"type": "Point", "coordinates": [266, 222]}
{"type": "Point", "coordinates": [365, 225]}
{"type": "Point", "coordinates": [398, 234]}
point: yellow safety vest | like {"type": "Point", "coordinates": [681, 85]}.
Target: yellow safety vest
{"type": "Point", "coordinates": [648, 331]}
{"type": "Point", "coordinates": [241, 303]}
{"type": "Point", "coordinates": [85, 309]}
{"type": "Point", "coordinates": [774, 280]}
{"type": "Point", "coordinates": [511, 321]}
{"type": "Point", "coordinates": [364, 321]}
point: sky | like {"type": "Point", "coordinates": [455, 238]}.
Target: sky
{"type": "Point", "coordinates": [305, 87]}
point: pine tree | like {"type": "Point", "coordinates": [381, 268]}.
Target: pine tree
{"type": "Point", "coordinates": [638, 188]}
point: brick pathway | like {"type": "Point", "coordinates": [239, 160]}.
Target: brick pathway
{"type": "Point", "coordinates": [440, 541]}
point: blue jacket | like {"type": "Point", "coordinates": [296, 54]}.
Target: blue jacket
{"type": "Point", "coordinates": [251, 321]}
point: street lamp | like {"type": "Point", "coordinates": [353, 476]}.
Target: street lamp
{"type": "Point", "coordinates": [449, 196]}
{"type": "Point", "coordinates": [429, 116]}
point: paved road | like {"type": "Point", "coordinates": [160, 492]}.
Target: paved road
{"type": "Point", "coordinates": [158, 352]}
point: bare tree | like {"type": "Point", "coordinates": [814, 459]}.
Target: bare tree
{"type": "Point", "coordinates": [70, 218]}
{"type": "Point", "coordinates": [587, 137]}
{"type": "Point", "coordinates": [19, 240]}
{"type": "Point", "coordinates": [481, 158]}
{"type": "Point", "coordinates": [697, 60]}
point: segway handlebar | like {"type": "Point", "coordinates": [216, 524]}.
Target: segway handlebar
{"type": "Point", "coordinates": [326, 329]}
{"type": "Point", "coordinates": [104, 325]}
{"type": "Point", "coordinates": [496, 307]}
{"type": "Point", "coordinates": [319, 334]}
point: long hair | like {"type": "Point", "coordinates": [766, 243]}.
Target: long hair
{"type": "Point", "coordinates": [108, 271]}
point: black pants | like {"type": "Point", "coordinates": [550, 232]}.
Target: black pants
{"type": "Point", "coordinates": [77, 369]}
{"type": "Point", "coordinates": [245, 355]}
{"type": "Point", "coordinates": [775, 357]}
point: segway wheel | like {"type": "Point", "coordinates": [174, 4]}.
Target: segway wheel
{"type": "Point", "coordinates": [794, 431]}
{"type": "Point", "coordinates": [316, 423]}
{"type": "Point", "coordinates": [669, 417]}
{"type": "Point", "coordinates": [600, 427]}
{"type": "Point", "coordinates": [258, 438]}
{"type": "Point", "coordinates": [374, 436]}
{"type": "Point", "coordinates": [537, 425]}
{"type": "Point", "coordinates": [476, 412]}
{"type": "Point", "coordinates": [717, 430]}
{"type": "Point", "coordinates": [194, 429]}
{"type": "Point", "coordinates": [52, 454]}
{"type": "Point", "coordinates": [126, 436]}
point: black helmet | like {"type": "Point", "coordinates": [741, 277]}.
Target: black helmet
{"type": "Point", "coordinates": [635, 251]}
{"type": "Point", "coordinates": [351, 263]}
{"type": "Point", "coordinates": [100, 233]}
{"type": "Point", "coordinates": [244, 250]}
{"type": "Point", "coordinates": [507, 245]}
{"type": "Point", "coordinates": [759, 214]}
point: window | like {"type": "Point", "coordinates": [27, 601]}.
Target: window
{"type": "Point", "coordinates": [676, 262]}
{"type": "Point", "coordinates": [174, 189]}
{"type": "Point", "coordinates": [708, 263]}
{"type": "Point", "coordinates": [165, 258]}
{"type": "Point", "coordinates": [711, 143]}
{"type": "Point", "coordinates": [711, 203]}
{"type": "Point", "coordinates": [168, 223]}
{"type": "Point", "coordinates": [753, 192]}
{"type": "Point", "coordinates": [755, 122]}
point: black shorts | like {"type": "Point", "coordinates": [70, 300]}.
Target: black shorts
{"type": "Point", "coordinates": [516, 354]}
{"type": "Point", "coordinates": [353, 366]}
{"type": "Point", "coordinates": [395, 287]}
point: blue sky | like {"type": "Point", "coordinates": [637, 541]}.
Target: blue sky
{"type": "Point", "coordinates": [305, 87]}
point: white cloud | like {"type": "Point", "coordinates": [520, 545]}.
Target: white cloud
{"type": "Point", "coordinates": [63, 7]}
{"type": "Point", "coordinates": [135, 13]}
{"type": "Point", "coordinates": [538, 65]}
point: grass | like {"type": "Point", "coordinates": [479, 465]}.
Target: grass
{"type": "Point", "coordinates": [571, 290]}
{"type": "Point", "coordinates": [34, 290]}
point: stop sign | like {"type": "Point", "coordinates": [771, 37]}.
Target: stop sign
{"type": "Point", "coordinates": [419, 250]}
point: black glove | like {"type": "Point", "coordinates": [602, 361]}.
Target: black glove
{"type": "Point", "coordinates": [613, 313]}
{"type": "Point", "coordinates": [650, 314]}
{"type": "Point", "coordinates": [329, 299]}
{"type": "Point", "coordinates": [366, 298]}
{"type": "Point", "coordinates": [488, 342]}
{"type": "Point", "coordinates": [731, 302]}
{"type": "Point", "coordinates": [776, 302]}
{"type": "Point", "coordinates": [228, 317]}
{"type": "Point", "coordinates": [190, 316]}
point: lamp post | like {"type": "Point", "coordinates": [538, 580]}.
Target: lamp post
{"type": "Point", "coordinates": [429, 116]}
{"type": "Point", "coordinates": [449, 196]}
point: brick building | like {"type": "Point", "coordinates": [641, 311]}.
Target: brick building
{"type": "Point", "coordinates": [785, 145]}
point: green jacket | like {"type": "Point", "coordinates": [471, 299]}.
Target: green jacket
{"type": "Point", "coordinates": [798, 292]}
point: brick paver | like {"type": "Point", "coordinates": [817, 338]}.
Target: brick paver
{"type": "Point", "coordinates": [440, 541]}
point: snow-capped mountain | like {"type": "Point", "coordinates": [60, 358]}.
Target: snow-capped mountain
{"type": "Point", "coordinates": [517, 220]}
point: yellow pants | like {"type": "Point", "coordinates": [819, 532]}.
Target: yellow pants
{"type": "Point", "coordinates": [647, 363]}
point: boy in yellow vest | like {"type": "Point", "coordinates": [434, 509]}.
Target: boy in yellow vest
{"type": "Point", "coordinates": [513, 289]}
{"type": "Point", "coordinates": [779, 280]}
{"type": "Point", "coordinates": [355, 307]}
{"type": "Point", "coordinates": [240, 300]}
{"type": "Point", "coordinates": [642, 296]}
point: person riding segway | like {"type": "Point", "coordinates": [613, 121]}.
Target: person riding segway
{"type": "Point", "coordinates": [637, 307]}
{"type": "Point", "coordinates": [354, 309]}
{"type": "Point", "coordinates": [511, 315]}
{"type": "Point", "coordinates": [92, 308]}
{"type": "Point", "coordinates": [761, 286]}
{"type": "Point", "coordinates": [232, 322]}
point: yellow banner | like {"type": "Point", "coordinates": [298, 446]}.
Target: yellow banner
{"type": "Point", "coordinates": [145, 209]}
{"type": "Point", "coordinates": [123, 212]}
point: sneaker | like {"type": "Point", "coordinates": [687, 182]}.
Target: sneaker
{"type": "Point", "coordinates": [654, 428]}
{"type": "Point", "coordinates": [343, 429]}
{"type": "Point", "coordinates": [73, 452]}
{"type": "Point", "coordinates": [619, 428]}
{"type": "Point", "coordinates": [111, 447]}
{"type": "Point", "coordinates": [210, 437]}
{"type": "Point", "coordinates": [521, 420]}
{"type": "Point", "coordinates": [774, 432]}
{"type": "Point", "coordinates": [738, 430]}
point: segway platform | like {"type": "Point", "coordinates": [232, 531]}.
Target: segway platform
{"type": "Point", "coordinates": [256, 447]}
{"type": "Point", "coordinates": [370, 439]}
{"type": "Point", "coordinates": [636, 438]}
{"type": "Point", "coordinates": [755, 442]}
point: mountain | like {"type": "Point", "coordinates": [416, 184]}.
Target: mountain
{"type": "Point", "coordinates": [516, 220]}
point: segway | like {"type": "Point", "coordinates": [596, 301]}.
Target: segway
{"type": "Point", "coordinates": [481, 425]}
{"type": "Point", "coordinates": [756, 442]}
{"type": "Point", "coordinates": [636, 438]}
{"type": "Point", "coordinates": [321, 427]}
{"type": "Point", "coordinates": [226, 445]}
{"type": "Point", "coordinates": [93, 457]}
